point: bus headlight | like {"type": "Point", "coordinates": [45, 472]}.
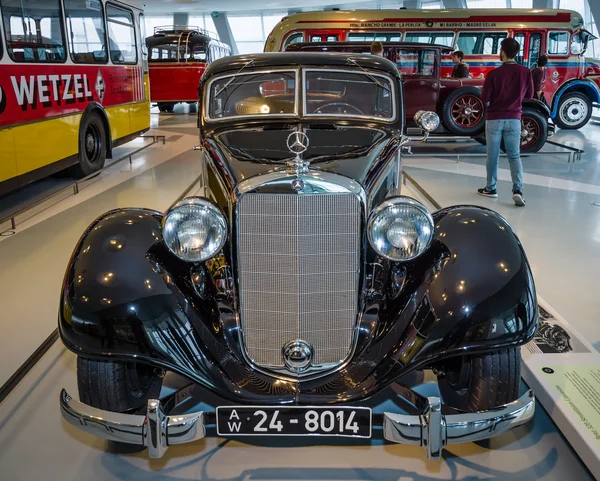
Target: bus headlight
{"type": "Point", "coordinates": [194, 229]}
{"type": "Point", "coordinates": [400, 229]}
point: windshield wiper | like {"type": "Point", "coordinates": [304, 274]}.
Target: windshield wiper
{"type": "Point", "coordinates": [371, 77]}
{"type": "Point", "coordinates": [247, 64]}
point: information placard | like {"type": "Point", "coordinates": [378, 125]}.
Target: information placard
{"type": "Point", "coordinates": [563, 369]}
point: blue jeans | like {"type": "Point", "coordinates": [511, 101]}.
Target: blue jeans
{"type": "Point", "coordinates": [510, 131]}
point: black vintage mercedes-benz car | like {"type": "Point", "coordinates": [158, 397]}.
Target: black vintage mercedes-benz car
{"type": "Point", "coordinates": [301, 282]}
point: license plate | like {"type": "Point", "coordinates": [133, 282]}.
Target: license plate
{"type": "Point", "coordinates": [293, 421]}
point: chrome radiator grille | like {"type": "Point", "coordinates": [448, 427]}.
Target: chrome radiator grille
{"type": "Point", "coordinates": [298, 264]}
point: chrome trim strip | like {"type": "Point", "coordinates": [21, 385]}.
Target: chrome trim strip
{"type": "Point", "coordinates": [434, 430]}
{"type": "Point", "coordinates": [207, 91]}
{"type": "Point", "coordinates": [155, 429]}
{"type": "Point", "coordinates": [391, 81]}
{"type": "Point", "coordinates": [430, 429]}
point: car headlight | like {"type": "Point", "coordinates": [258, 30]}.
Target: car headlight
{"type": "Point", "coordinates": [194, 229]}
{"type": "Point", "coordinates": [400, 229]}
{"type": "Point", "coordinates": [426, 120]}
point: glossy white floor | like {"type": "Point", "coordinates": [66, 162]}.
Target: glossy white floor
{"type": "Point", "coordinates": [561, 232]}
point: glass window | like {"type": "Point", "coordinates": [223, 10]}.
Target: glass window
{"type": "Point", "coordinates": [121, 35]}
{"type": "Point", "coordinates": [558, 43]}
{"type": "Point", "coordinates": [85, 31]}
{"type": "Point", "coordinates": [293, 38]}
{"type": "Point", "coordinates": [316, 38]}
{"type": "Point", "coordinates": [167, 52]}
{"type": "Point", "coordinates": [205, 22]}
{"type": "Point", "coordinates": [255, 94]}
{"type": "Point", "coordinates": [34, 30]}
{"type": "Point", "coordinates": [143, 34]}
{"type": "Point", "coordinates": [374, 36]}
{"type": "Point", "coordinates": [151, 22]}
{"type": "Point", "coordinates": [439, 38]}
{"type": "Point", "coordinates": [348, 94]}
{"type": "Point", "coordinates": [199, 53]}
{"type": "Point", "coordinates": [520, 37]}
{"type": "Point", "coordinates": [480, 43]}
{"type": "Point", "coordinates": [415, 62]}
{"type": "Point", "coordinates": [535, 47]}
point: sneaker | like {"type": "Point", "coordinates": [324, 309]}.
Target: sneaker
{"type": "Point", "coordinates": [518, 198]}
{"type": "Point", "coordinates": [487, 192]}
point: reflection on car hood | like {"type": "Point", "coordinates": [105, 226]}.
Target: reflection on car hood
{"type": "Point", "coordinates": [354, 152]}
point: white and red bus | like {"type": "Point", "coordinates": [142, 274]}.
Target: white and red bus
{"type": "Point", "coordinates": [73, 84]}
{"type": "Point", "coordinates": [572, 84]}
{"type": "Point", "coordinates": [177, 58]}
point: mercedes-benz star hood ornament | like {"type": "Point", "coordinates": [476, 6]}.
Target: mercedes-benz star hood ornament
{"type": "Point", "coordinates": [297, 143]}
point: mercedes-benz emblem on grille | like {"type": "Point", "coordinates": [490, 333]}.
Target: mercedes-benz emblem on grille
{"type": "Point", "coordinates": [297, 355]}
{"type": "Point", "coordinates": [297, 142]}
{"type": "Point", "coordinates": [297, 185]}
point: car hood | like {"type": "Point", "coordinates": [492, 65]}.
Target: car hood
{"type": "Point", "coordinates": [355, 152]}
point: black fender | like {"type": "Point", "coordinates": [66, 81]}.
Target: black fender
{"type": "Point", "coordinates": [126, 297]}
{"type": "Point", "coordinates": [537, 105]}
{"type": "Point", "coordinates": [483, 297]}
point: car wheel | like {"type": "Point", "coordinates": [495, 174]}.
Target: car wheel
{"type": "Point", "coordinates": [165, 107]}
{"type": "Point", "coordinates": [534, 131]}
{"type": "Point", "coordinates": [574, 111]}
{"type": "Point", "coordinates": [92, 145]}
{"type": "Point", "coordinates": [463, 112]}
{"type": "Point", "coordinates": [479, 383]}
{"type": "Point", "coordinates": [117, 387]}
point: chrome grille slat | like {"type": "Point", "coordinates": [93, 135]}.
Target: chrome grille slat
{"type": "Point", "coordinates": [298, 265]}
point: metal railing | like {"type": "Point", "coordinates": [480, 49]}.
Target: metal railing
{"type": "Point", "coordinates": [76, 186]}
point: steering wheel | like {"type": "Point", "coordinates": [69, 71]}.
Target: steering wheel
{"type": "Point", "coordinates": [339, 105]}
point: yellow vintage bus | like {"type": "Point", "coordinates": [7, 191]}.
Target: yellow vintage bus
{"type": "Point", "coordinates": [73, 85]}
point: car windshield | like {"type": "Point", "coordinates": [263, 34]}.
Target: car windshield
{"type": "Point", "coordinates": [177, 51]}
{"type": "Point", "coordinates": [327, 93]}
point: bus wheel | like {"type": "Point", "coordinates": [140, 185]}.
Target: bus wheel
{"type": "Point", "coordinates": [574, 111]}
{"type": "Point", "coordinates": [463, 112]}
{"type": "Point", "coordinates": [165, 107]}
{"type": "Point", "coordinates": [92, 145]}
{"type": "Point", "coordinates": [534, 131]}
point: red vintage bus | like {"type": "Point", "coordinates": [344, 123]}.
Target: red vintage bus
{"type": "Point", "coordinates": [177, 59]}
{"type": "Point", "coordinates": [72, 85]}
{"type": "Point", "coordinates": [573, 82]}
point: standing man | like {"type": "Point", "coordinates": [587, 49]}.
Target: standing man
{"type": "Point", "coordinates": [461, 69]}
{"type": "Point", "coordinates": [377, 49]}
{"type": "Point", "coordinates": [504, 90]}
{"type": "Point", "coordinates": [539, 78]}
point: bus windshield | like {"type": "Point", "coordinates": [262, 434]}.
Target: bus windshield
{"type": "Point", "coordinates": [178, 52]}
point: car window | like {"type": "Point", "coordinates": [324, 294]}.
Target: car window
{"type": "Point", "coordinates": [415, 62]}
{"type": "Point", "coordinates": [254, 94]}
{"type": "Point", "coordinates": [374, 36]}
{"type": "Point", "coordinates": [558, 43]}
{"type": "Point", "coordinates": [480, 43]}
{"type": "Point", "coordinates": [293, 38]}
{"type": "Point", "coordinates": [438, 38]}
{"type": "Point", "coordinates": [348, 94]}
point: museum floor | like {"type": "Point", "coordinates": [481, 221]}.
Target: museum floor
{"type": "Point", "coordinates": [560, 229]}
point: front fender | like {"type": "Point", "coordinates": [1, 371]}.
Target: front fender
{"type": "Point", "coordinates": [583, 86]}
{"type": "Point", "coordinates": [483, 297]}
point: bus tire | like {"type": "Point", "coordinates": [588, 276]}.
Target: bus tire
{"type": "Point", "coordinates": [92, 145]}
{"type": "Point", "coordinates": [574, 111]}
{"type": "Point", "coordinates": [166, 107]}
{"type": "Point", "coordinates": [463, 112]}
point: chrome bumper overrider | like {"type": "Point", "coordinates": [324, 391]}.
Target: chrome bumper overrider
{"type": "Point", "coordinates": [432, 429]}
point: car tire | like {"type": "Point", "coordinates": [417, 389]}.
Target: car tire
{"type": "Point", "coordinates": [574, 111]}
{"type": "Point", "coordinates": [463, 112]}
{"type": "Point", "coordinates": [92, 145]}
{"type": "Point", "coordinates": [166, 107]}
{"type": "Point", "coordinates": [536, 124]}
{"type": "Point", "coordinates": [480, 383]}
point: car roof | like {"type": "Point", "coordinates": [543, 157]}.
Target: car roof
{"type": "Point", "coordinates": [295, 59]}
{"type": "Point", "coordinates": [300, 45]}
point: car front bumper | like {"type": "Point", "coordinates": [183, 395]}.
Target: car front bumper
{"type": "Point", "coordinates": [433, 430]}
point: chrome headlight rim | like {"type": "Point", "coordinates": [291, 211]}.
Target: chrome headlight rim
{"type": "Point", "coordinates": [213, 209]}
{"type": "Point", "coordinates": [391, 202]}
{"type": "Point", "coordinates": [422, 117]}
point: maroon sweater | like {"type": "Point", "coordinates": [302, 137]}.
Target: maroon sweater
{"type": "Point", "coordinates": [505, 88]}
